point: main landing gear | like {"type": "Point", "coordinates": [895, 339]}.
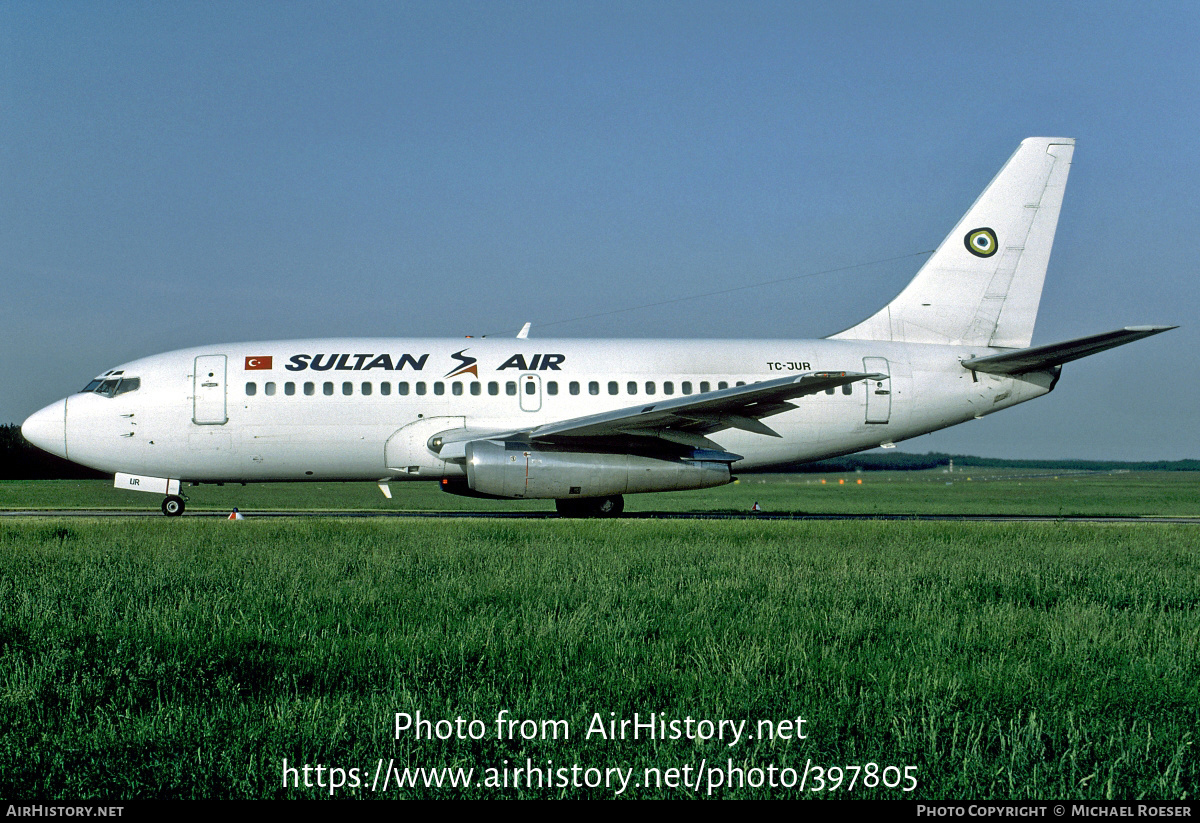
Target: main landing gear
{"type": "Point", "coordinates": [610, 506]}
{"type": "Point", "coordinates": [173, 505]}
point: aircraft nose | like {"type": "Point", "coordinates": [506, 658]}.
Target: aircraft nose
{"type": "Point", "coordinates": [47, 429]}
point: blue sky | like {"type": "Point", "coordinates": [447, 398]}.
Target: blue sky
{"type": "Point", "coordinates": [174, 174]}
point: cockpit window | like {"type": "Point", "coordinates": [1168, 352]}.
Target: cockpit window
{"type": "Point", "coordinates": [128, 384]}
{"type": "Point", "coordinates": [112, 386]}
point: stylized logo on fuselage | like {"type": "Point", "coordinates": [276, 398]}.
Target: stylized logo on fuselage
{"type": "Point", "coordinates": [538, 362]}
{"type": "Point", "coordinates": [355, 362]}
{"type": "Point", "coordinates": [468, 365]}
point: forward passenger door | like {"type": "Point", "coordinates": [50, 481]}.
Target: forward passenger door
{"type": "Point", "coordinates": [208, 390]}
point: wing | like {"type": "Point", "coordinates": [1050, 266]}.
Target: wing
{"type": "Point", "coordinates": [682, 420]}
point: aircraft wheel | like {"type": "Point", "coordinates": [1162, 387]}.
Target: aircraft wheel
{"type": "Point", "coordinates": [172, 506]}
{"type": "Point", "coordinates": [611, 506]}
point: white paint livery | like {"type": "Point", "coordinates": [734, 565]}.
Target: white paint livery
{"type": "Point", "coordinates": [586, 421]}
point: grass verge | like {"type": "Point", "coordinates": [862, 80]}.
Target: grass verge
{"type": "Point", "coordinates": [182, 659]}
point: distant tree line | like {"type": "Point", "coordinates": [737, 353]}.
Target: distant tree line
{"type": "Point", "coordinates": [900, 461]}
{"type": "Point", "coordinates": [21, 461]}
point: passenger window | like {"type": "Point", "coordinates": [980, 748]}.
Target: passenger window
{"type": "Point", "coordinates": [269, 388]}
{"type": "Point", "coordinates": [493, 388]}
{"type": "Point", "coordinates": [328, 389]}
{"type": "Point", "coordinates": [456, 388]}
{"type": "Point", "coordinates": [650, 387]}
{"type": "Point", "coordinates": [573, 387]}
{"type": "Point", "coordinates": [552, 387]}
{"type": "Point", "coordinates": [686, 386]}
{"type": "Point", "coordinates": [366, 388]}
{"type": "Point", "coordinates": [476, 389]}
{"type": "Point", "coordinates": [741, 383]}
{"type": "Point", "coordinates": [310, 389]}
{"type": "Point", "coordinates": [612, 387]}
{"type": "Point", "coordinates": [593, 387]}
{"type": "Point", "coordinates": [848, 389]}
{"type": "Point", "coordinates": [289, 388]}
{"type": "Point", "coordinates": [385, 388]}
{"type": "Point", "coordinates": [829, 390]}
{"type": "Point", "coordinates": [347, 388]}
{"type": "Point", "coordinates": [402, 387]}
{"type": "Point", "coordinates": [251, 389]}
{"type": "Point", "coordinates": [510, 388]}
{"type": "Point", "coordinates": [668, 387]}
{"type": "Point", "coordinates": [421, 387]}
{"type": "Point", "coordinates": [631, 387]}
{"type": "Point", "coordinates": [439, 388]}
{"type": "Point", "coordinates": [705, 386]}
{"type": "Point", "coordinates": [722, 385]}
{"type": "Point", "coordinates": [531, 387]}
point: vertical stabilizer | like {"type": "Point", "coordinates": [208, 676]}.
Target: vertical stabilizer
{"type": "Point", "coordinates": [983, 284]}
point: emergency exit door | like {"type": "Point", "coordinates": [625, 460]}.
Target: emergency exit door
{"type": "Point", "coordinates": [531, 392]}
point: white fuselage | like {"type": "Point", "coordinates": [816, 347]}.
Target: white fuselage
{"type": "Point", "coordinates": [364, 409]}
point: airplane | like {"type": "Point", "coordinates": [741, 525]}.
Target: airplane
{"type": "Point", "coordinates": [585, 422]}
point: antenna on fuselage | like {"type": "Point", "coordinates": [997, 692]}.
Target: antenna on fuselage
{"type": "Point", "coordinates": [524, 332]}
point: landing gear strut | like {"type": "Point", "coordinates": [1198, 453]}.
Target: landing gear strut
{"type": "Point", "coordinates": [609, 506]}
{"type": "Point", "coordinates": [172, 506]}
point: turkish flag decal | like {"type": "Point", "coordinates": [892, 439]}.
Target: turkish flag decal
{"type": "Point", "coordinates": [256, 363]}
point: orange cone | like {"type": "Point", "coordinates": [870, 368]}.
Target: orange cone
{"type": "Point", "coordinates": [236, 515]}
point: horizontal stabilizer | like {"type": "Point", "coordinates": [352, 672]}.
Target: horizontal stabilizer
{"type": "Point", "coordinates": [1040, 358]}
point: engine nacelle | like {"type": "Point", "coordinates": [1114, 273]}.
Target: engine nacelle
{"type": "Point", "coordinates": [517, 470]}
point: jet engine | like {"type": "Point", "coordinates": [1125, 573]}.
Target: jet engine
{"type": "Point", "coordinates": [522, 470]}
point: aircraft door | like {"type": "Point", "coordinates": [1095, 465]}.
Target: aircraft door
{"type": "Point", "coordinates": [530, 389]}
{"type": "Point", "coordinates": [879, 392]}
{"type": "Point", "coordinates": [208, 390]}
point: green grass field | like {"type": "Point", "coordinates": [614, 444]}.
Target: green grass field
{"type": "Point", "coordinates": [183, 658]}
{"type": "Point", "coordinates": [989, 491]}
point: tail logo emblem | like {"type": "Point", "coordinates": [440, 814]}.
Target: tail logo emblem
{"type": "Point", "coordinates": [981, 242]}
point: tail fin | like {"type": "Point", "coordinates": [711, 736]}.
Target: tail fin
{"type": "Point", "coordinates": [983, 284]}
